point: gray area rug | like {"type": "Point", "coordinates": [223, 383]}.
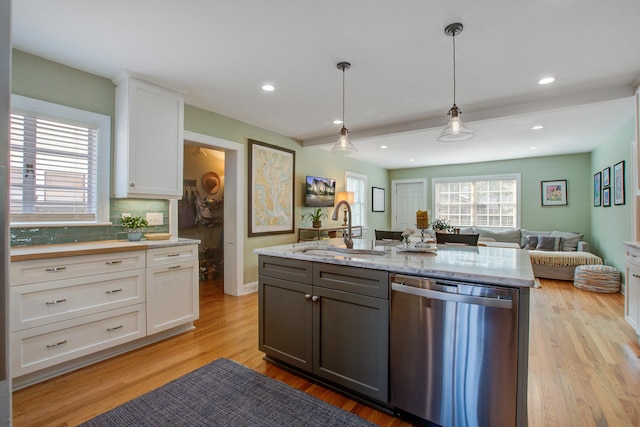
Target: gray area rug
{"type": "Point", "coordinates": [225, 393]}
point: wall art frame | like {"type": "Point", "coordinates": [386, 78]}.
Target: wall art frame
{"type": "Point", "coordinates": [554, 193]}
{"type": "Point", "coordinates": [272, 171]}
{"type": "Point", "coordinates": [606, 197]}
{"type": "Point", "coordinates": [377, 199]}
{"type": "Point", "coordinates": [597, 189]}
{"type": "Point", "coordinates": [606, 177]}
{"type": "Point", "coordinates": [618, 183]}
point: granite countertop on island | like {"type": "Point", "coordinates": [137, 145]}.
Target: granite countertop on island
{"type": "Point", "coordinates": [25, 253]}
{"type": "Point", "coordinates": [477, 264]}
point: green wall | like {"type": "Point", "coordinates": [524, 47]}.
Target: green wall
{"type": "Point", "coordinates": [610, 226]}
{"type": "Point", "coordinates": [42, 79]}
{"type": "Point", "coordinates": [574, 168]}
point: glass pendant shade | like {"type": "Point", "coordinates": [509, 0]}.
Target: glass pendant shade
{"type": "Point", "coordinates": [343, 143]}
{"type": "Point", "coordinates": [455, 129]}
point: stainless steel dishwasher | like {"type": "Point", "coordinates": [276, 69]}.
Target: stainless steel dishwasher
{"type": "Point", "coordinates": [454, 351]}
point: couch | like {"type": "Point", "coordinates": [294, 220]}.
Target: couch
{"type": "Point", "coordinates": [554, 254]}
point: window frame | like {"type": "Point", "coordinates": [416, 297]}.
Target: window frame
{"type": "Point", "coordinates": [508, 176]}
{"type": "Point", "coordinates": [55, 112]}
{"type": "Point", "coordinates": [363, 205]}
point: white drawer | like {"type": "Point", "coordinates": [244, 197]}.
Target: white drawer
{"type": "Point", "coordinates": [632, 256]}
{"type": "Point", "coordinates": [171, 255]}
{"type": "Point", "coordinates": [44, 346]}
{"type": "Point", "coordinates": [47, 302]}
{"type": "Point", "coordinates": [44, 270]}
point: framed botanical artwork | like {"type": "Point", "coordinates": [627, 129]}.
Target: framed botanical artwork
{"type": "Point", "coordinates": [606, 197]}
{"type": "Point", "coordinates": [377, 198]}
{"type": "Point", "coordinates": [597, 189]}
{"type": "Point", "coordinates": [618, 183]}
{"type": "Point", "coordinates": [554, 193]}
{"type": "Point", "coordinates": [606, 176]}
{"type": "Point", "coordinates": [271, 194]}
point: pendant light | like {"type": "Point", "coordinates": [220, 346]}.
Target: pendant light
{"type": "Point", "coordinates": [343, 143]}
{"type": "Point", "coordinates": [455, 130]}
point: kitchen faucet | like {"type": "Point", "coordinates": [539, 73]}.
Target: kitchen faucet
{"type": "Point", "coordinates": [347, 239]}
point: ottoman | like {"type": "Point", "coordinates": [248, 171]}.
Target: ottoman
{"type": "Point", "coordinates": [597, 278]}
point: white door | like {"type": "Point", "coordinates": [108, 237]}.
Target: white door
{"type": "Point", "coordinates": [409, 197]}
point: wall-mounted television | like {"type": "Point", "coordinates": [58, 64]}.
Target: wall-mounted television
{"type": "Point", "coordinates": [319, 192]}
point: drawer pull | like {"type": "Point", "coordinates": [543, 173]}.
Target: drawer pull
{"type": "Point", "coordinates": [173, 267]}
{"type": "Point", "coordinates": [114, 328]}
{"type": "Point", "coordinates": [58, 344]}
{"type": "Point", "coordinates": [57, 301]}
{"type": "Point", "coordinates": [114, 291]}
{"type": "Point", "coordinates": [114, 262]}
{"type": "Point", "coordinates": [172, 255]}
{"type": "Point", "coordinates": [55, 269]}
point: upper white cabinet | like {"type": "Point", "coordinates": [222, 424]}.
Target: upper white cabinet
{"type": "Point", "coordinates": [149, 140]}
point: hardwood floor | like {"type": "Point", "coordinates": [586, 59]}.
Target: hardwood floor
{"type": "Point", "coordinates": [584, 366]}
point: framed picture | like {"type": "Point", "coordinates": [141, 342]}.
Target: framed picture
{"type": "Point", "coordinates": [271, 194]}
{"type": "Point", "coordinates": [597, 189]}
{"type": "Point", "coordinates": [377, 197]}
{"type": "Point", "coordinates": [606, 176]}
{"type": "Point", "coordinates": [618, 183]}
{"type": "Point", "coordinates": [554, 193]}
{"type": "Point", "coordinates": [606, 196]}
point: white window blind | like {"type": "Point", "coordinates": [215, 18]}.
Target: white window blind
{"type": "Point", "coordinates": [54, 168]}
{"type": "Point", "coordinates": [483, 201]}
{"type": "Point", "coordinates": [358, 184]}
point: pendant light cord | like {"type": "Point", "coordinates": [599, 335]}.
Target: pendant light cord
{"type": "Point", "coordinates": [454, 68]}
{"type": "Point", "coordinates": [343, 96]}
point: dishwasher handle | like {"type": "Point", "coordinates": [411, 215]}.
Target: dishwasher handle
{"type": "Point", "coordinates": [444, 296]}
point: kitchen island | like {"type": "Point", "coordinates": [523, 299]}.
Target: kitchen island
{"type": "Point", "coordinates": [333, 314]}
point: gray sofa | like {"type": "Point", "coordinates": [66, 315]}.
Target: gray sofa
{"type": "Point", "coordinates": [554, 254]}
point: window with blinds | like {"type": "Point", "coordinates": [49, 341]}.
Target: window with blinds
{"type": "Point", "coordinates": [483, 201]}
{"type": "Point", "coordinates": [55, 164]}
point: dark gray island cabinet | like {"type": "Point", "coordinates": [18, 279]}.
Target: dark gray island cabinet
{"type": "Point", "coordinates": [330, 321]}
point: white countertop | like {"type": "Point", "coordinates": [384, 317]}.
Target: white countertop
{"type": "Point", "coordinates": [83, 248]}
{"type": "Point", "coordinates": [476, 264]}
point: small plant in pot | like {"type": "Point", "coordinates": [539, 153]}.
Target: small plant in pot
{"type": "Point", "coordinates": [441, 225]}
{"type": "Point", "coordinates": [315, 217]}
{"type": "Point", "coordinates": [133, 225]}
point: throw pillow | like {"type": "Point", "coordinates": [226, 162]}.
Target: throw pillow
{"type": "Point", "coordinates": [526, 233]}
{"type": "Point", "coordinates": [531, 242]}
{"type": "Point", "coordinates": [510, 235]}
{"type": "Point", "coordinates": [547, 243]}
{"type": "Point", "coordinates": [569, 240]}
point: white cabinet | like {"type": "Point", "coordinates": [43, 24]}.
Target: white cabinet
{"type": "Point", "coordinates": [632, 292]}
{"type": "Point", "coordinates": [149, 140]}
{"type": "Point", "coordinates": [172, 287]}
{"type": "Point", "coordinates": [68, 307]}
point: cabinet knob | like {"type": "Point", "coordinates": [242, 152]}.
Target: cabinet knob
{"type": "Point", "coordinates": [636, 275]}
{"type": "Point", "coordinates": [315, 298]}
{"type": "Point", "coordinates": [307, 296]}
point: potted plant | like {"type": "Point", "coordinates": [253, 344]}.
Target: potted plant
{"type": "Point", "coordinates": [441, 225]}
{"type": "Point", "coordinates": [133, 225]}
{"type": "Point", "coordinates": [315, 217]}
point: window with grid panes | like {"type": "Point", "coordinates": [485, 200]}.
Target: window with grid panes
{"type": "Point", "coordinates": [59, 164]}
{"type": "Point", "coordinates": [482, 201]}
{"type": "Point", "coordinates": [358, 184]}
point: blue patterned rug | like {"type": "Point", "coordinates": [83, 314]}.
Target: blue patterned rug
{"type": "Point", "coordinates": [225, 393]}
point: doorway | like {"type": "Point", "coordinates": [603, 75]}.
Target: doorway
{"type": "Point", "coordinates": [232, 210]}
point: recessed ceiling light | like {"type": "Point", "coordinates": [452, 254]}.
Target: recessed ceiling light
{"type": "Point", "coordinates": [537, 127]}
{"type": "Point", "coordinates": [337, 122]}
{"type": "Point", "coordinates": [546, 80]}
{"type": "Point", "coordinates": [268, 88]}
{"type": "Point", "coordinates": [412, 160]}
{"type": "Point", "coordinates": [533, 148]}
{"type": "Point", "coordinates": [383, 146]}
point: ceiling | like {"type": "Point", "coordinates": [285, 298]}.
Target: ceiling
{"type": "Point", "coordinates": [399, 87]}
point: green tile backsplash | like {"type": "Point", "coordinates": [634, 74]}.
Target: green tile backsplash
{"type": "Point", "coordinates": [72, 234]}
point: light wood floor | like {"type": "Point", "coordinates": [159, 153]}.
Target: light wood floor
{"type": "Point", "coordinates": [584, 366]}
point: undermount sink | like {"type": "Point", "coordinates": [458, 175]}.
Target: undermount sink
{"type": "Point", "coordinates": [334, 251]}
